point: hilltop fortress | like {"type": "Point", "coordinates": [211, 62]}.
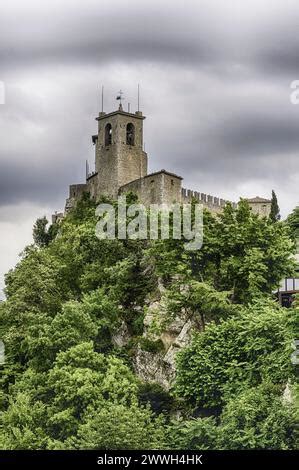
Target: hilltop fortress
{"type": "Point", "coordinates": [121, 166]}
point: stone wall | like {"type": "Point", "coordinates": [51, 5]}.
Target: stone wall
{"type": "Point", "coordinates": [212, 203]}
{"type": "Point", "coordinates": [92, 183]}
{"type": "Point", "coordinates": [156, 188]}
{"type": "Point", "coordinates": [262, 209]}
{"type": "Point", "coordinates": [76, 190]}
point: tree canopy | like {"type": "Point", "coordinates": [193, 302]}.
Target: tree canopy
{"type": "Point", "coordinates": [67, 384]}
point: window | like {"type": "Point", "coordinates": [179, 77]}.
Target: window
{"type": "Point", "coordinates": [130, 134]}
{"type": "Point", "coordinates": [108, 134]}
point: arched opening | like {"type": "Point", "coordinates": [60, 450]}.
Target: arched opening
{"type": "Point", "coordinates": [108, 134]}
{"type": "Point", "coordinates": [130, 134]}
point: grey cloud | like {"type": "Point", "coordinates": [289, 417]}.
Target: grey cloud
{"type": "Point", "coordinates": [204, 67]}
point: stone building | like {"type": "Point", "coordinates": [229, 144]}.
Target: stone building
{"type": "Point", "coordinates": [121, 166]}
{"type": "Point", "coordinates": [260, 206]}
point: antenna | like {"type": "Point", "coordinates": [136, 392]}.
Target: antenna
{"type": "Point", "coordinates": [138, 98]}
{"type": "Point", "coordinates": [102, 99]}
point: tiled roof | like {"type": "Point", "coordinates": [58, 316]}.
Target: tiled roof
{"type": "Point", "coordinates": [258, 199]}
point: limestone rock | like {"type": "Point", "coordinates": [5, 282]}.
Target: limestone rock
{"type": "Point", "coordinates": [122, 336]}
{"type": "Point", "coordinates": [160, 366]}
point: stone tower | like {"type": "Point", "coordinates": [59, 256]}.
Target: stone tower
{"type": "Point", "coordinates": [119, 158]}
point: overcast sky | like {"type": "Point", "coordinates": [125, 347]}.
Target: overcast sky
{"type": "Point", "coordinates": [215, 86]}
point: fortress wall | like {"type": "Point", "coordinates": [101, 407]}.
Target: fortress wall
{"type": "Point", "coordinates": [76, 190]}
{"type": "Point", "coordinates": [212, 203]}
{"type": "Point", "coordinates": [92, 184]}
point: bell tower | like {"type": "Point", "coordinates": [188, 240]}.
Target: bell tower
{"type": "Point", "coordinates": [119, 157]}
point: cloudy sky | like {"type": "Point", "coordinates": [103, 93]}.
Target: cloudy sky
{"type": "Point", "coordinates": [215, 86]}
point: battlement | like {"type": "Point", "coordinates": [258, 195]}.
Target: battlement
{"type": "Point", "coordinates": [213, 203]}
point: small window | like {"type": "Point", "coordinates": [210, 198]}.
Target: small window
{"type": "Point", "coordinates": [171, 182]}
{"type": "Point", "coordinates": [130, 134]}
{"type": "Point", "coordinates": [108, 134]}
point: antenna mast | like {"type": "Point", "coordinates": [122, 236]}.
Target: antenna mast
{"type": "Point", "coordinates": [102, 99]}
{"type": "Point", "coordinates": [138, 98]}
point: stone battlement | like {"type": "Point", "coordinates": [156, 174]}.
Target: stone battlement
{"type": "Point", "coordinates": [213, 203]}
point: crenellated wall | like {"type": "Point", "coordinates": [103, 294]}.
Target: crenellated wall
{"type": "Point", "coordinates": [214, 204]}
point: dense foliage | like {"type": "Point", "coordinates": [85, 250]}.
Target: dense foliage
{"type": "Point", "coordinates": [293, 222]}
{"type": "Point", "coordinates": [66, 384]}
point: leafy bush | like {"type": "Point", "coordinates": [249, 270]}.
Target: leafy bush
{"type": "Point", "coordinates": [236, 354]}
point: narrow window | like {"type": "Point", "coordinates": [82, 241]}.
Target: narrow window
{"type": "Point", "coordinates": [130, 134]}
{"type": "Point", "coordinates": [108, 134]}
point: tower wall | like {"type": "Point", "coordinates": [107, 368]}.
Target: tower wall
{"type": "Point", "coordinates": [119, 162]}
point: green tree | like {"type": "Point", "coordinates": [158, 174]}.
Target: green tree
{"type": "Point", "coordinates": [42, 235]}
{"type": "Point", "coordinates": [194, 434]}
{"type": "Point", "coordinates": [76, 403]}
{"type": "Point", "coordinates": [258, 419]}
{"type": "Point", "coordinates": [120, 427]}
{"type": "Point", "coordinates": [200, 302]}
{"type": "Point", "coordinates": [242, 253]}
{"type": "Point", "coordinates": [238, 353]}
{"type": "Point", "coordinates": [293, 223]}
{"type": "Point", "coordinates": [274, 212]}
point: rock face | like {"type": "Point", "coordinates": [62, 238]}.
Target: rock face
{"type": "Point", "coordinates": [152, 363]}
{"type": "Point", "coordinates": [287, 398]}
{"type": "Point", "coordinates": [150, 367]}
{"type": "Point", "coordinates": [122, 336]}
{"type": "Point", "coordinates": [160, 366]}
